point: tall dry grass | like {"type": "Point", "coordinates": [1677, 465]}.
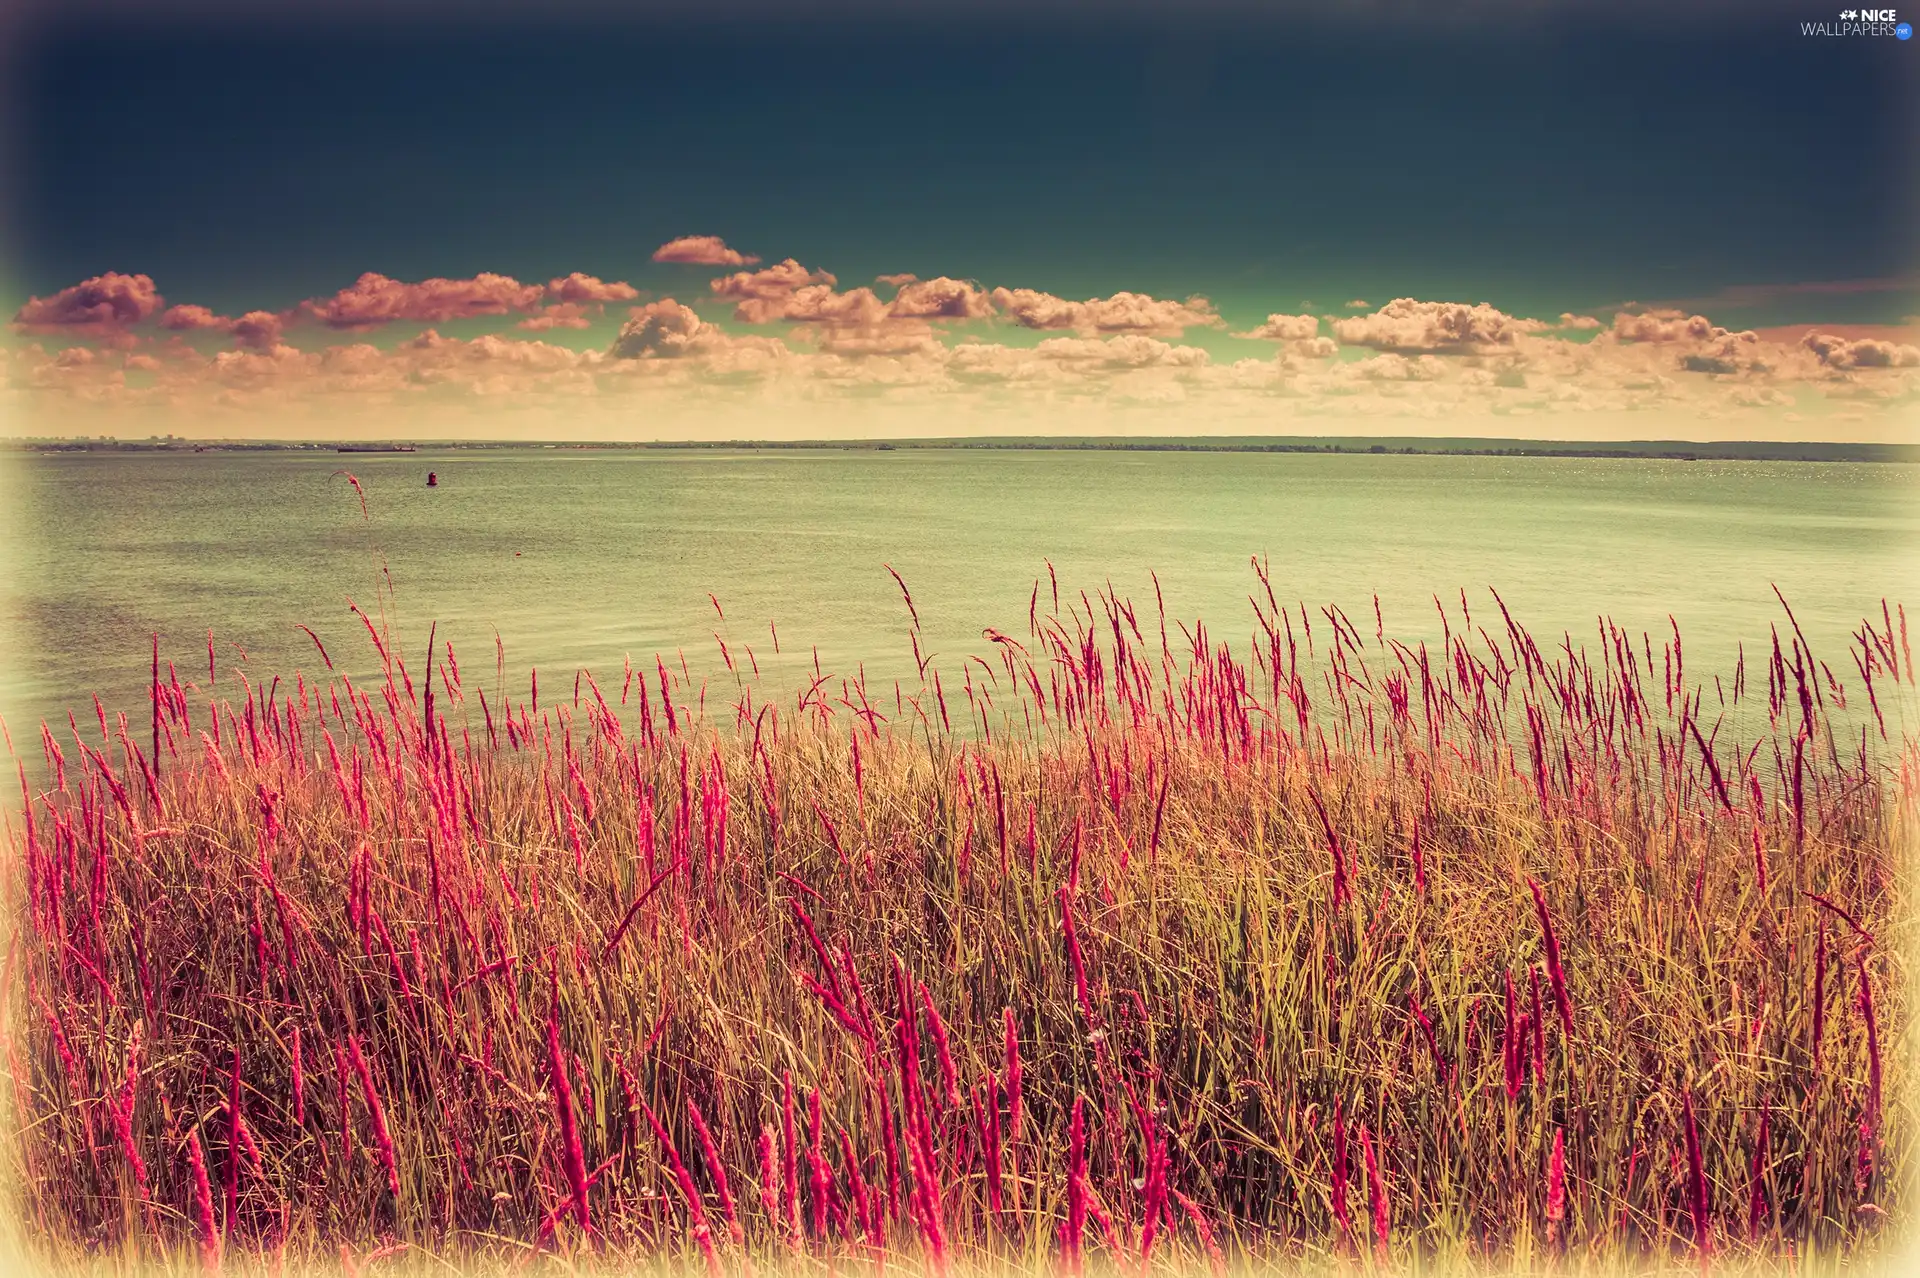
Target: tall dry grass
{"type": "Point", "coordinates": [1127, 950]}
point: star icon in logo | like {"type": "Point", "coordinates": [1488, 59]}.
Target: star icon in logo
{"type": "Point", "coordinates": [1848, 15]}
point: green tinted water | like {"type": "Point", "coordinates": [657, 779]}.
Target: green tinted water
{"type": "Point", "coordinates": [585, 558]}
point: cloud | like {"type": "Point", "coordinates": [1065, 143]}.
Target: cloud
{"type": "Point", "coordinates": [659, 330]}
{"type": "Point", "coordinates": [187, 319]}
{"type": "Point", "coordinates": [817, 304]}
{"type": "Point", "coordinates": [588, 288]}
{"type": "Point", "coordinates": [702, 250]}
{"type": "Point", "coordinates": [1665, 325]}
{"type": "Point", "coordinates": [557, 315]}
{"type": "Point", "coordinates": [794, 293]}
{"type": "Point", "coordinates": [1405, 324]}
{"type": "Point", "coordinates": [1126, 352]}
{"type": "Point", "coordinates": [1839, 352]}
{"type": "Point", "coordinates": [1429, 361]}
{"type": "Point", "coordinates": [903, 277]}
{"type": "Point", "coordinates": [894, 338]}
{"type": "Point", "coordinates": [1358, 304]}
{"type": "Point", "coordinates": [938, 298]}
{"type": "Point", "coordinates": [375, 299]}
{"type": "Point", "coordinates": [257, 330]}
{"type": "Point", "coordinates": [1285, 328]}
{"type": "Point", "coordinates": [1121, 313]}
{"type": "Point", "coordinates": [101, 305]}
{"type": "Point", "coordinates": [779, 280]}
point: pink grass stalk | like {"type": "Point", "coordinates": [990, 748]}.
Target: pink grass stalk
{"type": "Point", "coordinates": [236, 1138]}
{"type": "Point", "coordinates": [1513, 1045]}
{"type": "Point", "coordinates": [1556, 973]}
{"type": "Point", "coordinates": [1075, 1227]}
{"type": "Point", "coordinates": [572, 1157]}
{"type": "Point", "coordinates": [299, 1083]}
{"type": "Point", "coordinates": [376, 1115]}
{"type": "Point", "coordinates": [696, 1211]}
{"type": "Point", "coordinates": [1335, 850]}
{"type": "Point", "coordinates": [986, 1101]}
{"type": "Point", "coordinates": [1819, 994]}
{"type": "Point", "coordinates": [1873, 1042]}
{"type": "Point", "coordinates": [340, 1073]}
{"type": "Point", "coordinates": [1216, 1261]}
{"type": "Point", "coordinates": [789, 1163]}
{"type": "Point", "coordinates": [208, 1228]}
{"type": "Point", "coordinates": [769, 1174]}
{"type": "Point", "coordinates": [1758, 1209]}
{"type": "Point", "coordinates": [717, 1169]}
{"type": "Point", "coordinates": [819, 1177]}
{"type": "Point", "coordinates": [1377, 1199]}
{"type": "Point", "coordinates": [943, 1052]}
{"type": "Point", "coordinates": [1697, 1201]}
{"type": "Point", "coordinates": [1074, 958]}
{"type": "Point", "coordinates": [121, 1111]}
{"type": "Point", "coordinates": [864, 1209]}
{"type": "Point", "coordinates": [1426, 1032]}
{"type": "Point", "coordinates": [1556, 1187]}
{"type": "Point", "coordinates": [1338, 1184]}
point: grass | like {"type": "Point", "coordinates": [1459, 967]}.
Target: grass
{"type": "Point", "coordinates": [1122, 952]}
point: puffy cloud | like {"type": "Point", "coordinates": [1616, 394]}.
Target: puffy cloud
{"type": "Point", "coordinates": [191, 318]}
{"type": "Point", "coordinates": [578, 287]}
{"type": "Point", "coordinates": [257, 330]}
{"type": "Point", "coordinates": [903, 277]}
{"type": "Point", "coordinates": [491, 347]}
{"type": "Point", "coordinates": [1358, 304]}
{"type": "Point", "coordinates": [258, 370]}
{"type": "Point", "coordinates": [790, 291]}
{"type": "Point", "coordinates": [374, 299]}
{"type": "Point", "coordinates": [816, 304]}
{"type": "Point", "coordinates": [659, 330]}
{"type": "Point", "coordinates": [1580, 323]}
{"type": "Point", "coordinates": [778, 280]}
{"type": "Point", "coordinates": [1840, 352]}
{"type": "Point", "coordinates": [101, 305]}
{"type": "Point", "coordinates": [1406, 324]}
{"type": "Point", "coordinates": [1285, 328]}
{"type": "Point", "coordinates": [897, 337]}
{"type": "Point", "coordinates": [1397, 368]}
{"type": "Point", "coordinates": [938, 298]}
{"type": "Point", "coordinates": [558, 315]}
{"type": "Point", "coordinates": [1728, 353]}
{"type": "Point", "coordinates": [992, 362]}
{"type": "Point", "coordinates": [702, 250]}
{"type": "Point", "coordinates": [1665, 326]}
{"type": "Point", "coordinates": [1121, 313]}
{"type": "Point", "coordinates": [1125, 352]}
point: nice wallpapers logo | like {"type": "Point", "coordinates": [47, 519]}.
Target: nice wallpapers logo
{"type": "Point", "coordinates": [1862, 22]}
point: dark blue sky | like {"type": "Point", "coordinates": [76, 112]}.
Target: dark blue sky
{"type": "Point", "coordinates": [1537, 166]}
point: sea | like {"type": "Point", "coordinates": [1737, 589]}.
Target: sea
{"type": "Point", "coordinates": [737, 566]}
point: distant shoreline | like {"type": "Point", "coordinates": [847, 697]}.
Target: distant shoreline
{"type": "Point", "coordinates": [1658, 449]}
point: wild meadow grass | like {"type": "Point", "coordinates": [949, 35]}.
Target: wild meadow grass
{"type": "Point", "coordinates": [1127, 950]}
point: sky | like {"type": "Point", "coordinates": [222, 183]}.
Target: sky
{"type": "Point", "coordinates": [1560, 220]}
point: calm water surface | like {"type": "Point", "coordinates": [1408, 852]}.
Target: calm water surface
{"type": "Point", "coordinates": [578, 558]}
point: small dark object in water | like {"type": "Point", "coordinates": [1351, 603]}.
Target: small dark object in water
{"type": "Point", "coordinates": [433, 480]}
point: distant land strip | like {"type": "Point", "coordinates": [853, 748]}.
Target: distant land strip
{"type": "Point", "coordinates": [1656, 449]}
